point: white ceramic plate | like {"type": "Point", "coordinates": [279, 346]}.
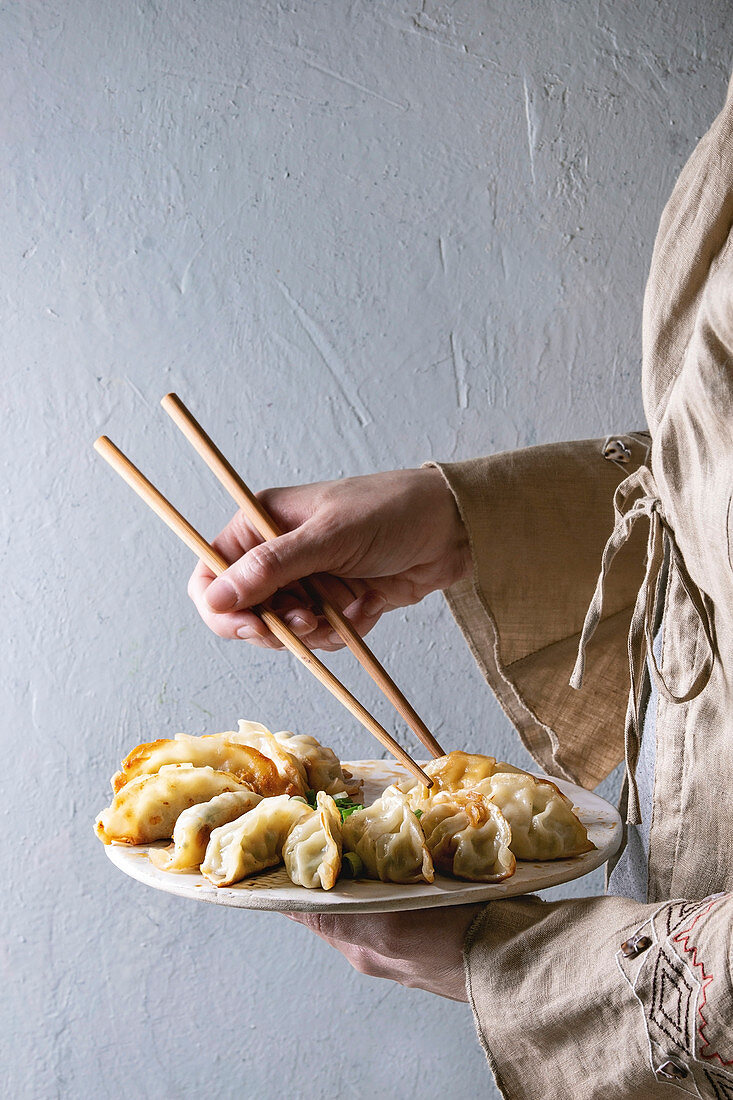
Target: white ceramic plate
{"type": "Point", "coordinates": [274, 890]}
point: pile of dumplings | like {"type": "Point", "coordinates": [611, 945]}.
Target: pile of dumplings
{"type": "Point", "coordinates": [236, 803]}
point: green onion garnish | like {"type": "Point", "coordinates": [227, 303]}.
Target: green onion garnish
{"type": "Point", "coordinates": [348, 808]}
{"type": "Point", "coordinates": [342, 800]}
{"type": "Point", "coordinates": [351, 865]}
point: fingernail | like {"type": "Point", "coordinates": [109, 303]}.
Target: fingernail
{"type": "Point", "coordinates": [245, 632]}
{"type": "Point", "coordinates": [334, 639]}
{"type": "Point", "coordinates": [373, 604]}
{"type": "Point", "coordinates": [221, 595]}
{"type": "Point", "coordinates": [298, 624]}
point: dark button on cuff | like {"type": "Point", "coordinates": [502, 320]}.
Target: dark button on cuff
{"type": "Point", "coordinates": [635, 946]}
{"type": "Point", "coordinates": [673, 1070]}
{"type": "Point", "coordinates": [616, 450]}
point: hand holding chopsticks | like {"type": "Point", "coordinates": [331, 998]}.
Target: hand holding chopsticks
{"type": "Point", "coordinates": [266, 527]}
{"type": "Point", "coordinates": [218, 564]}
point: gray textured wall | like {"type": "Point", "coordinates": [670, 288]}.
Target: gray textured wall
{"type": "Point", "coordinates": [353, 236]}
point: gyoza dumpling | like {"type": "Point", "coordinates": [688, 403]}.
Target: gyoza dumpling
{"type": "Point", "coordinates": [322, 765]}
{"type": "Point", "coordinates": [290, 768]}
{"type": "Point", "coordinates": [389, 841]}
{"type": "Point", "coordinates": [459, 770]}
{"type": "Point", "coordinates": [213, 750]}
{"type": "Point", "coordinates": [312, 850]}
{"type": "Point", "coordinates": [541, 817]}
{"type": "Point", "coordinates": [502, 766]}
{"type": "Point", "coordinates": [468, 836]}
{"type": "Point", "coordinates": [194, 827]}
{"type": "Point", "coordinates": [147, 807]}
{"type": "Point", "coordinates": [254, 841]}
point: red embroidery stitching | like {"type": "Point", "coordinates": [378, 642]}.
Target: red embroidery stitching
{"type": "Point", "coordinates": [683, 939]}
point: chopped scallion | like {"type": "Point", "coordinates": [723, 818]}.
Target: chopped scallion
{"type": "Point", "coordinates": [351, 865]}
{"type": "Point", "coordinates": [348, 809]}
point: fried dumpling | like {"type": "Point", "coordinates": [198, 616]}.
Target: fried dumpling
{"type": "Point", "coordinates": [312, 849]}
{"type": "Point", "coordinates": [147, 808]}
{"type": "Point", "coordinates": [322, 765]}
{"type": "Point", "coordinates": [502, 766]}
{"type": "Point", "coordinates": [254, 841]}
{"type": "Point", "coordinates": [389, 841]}
{"type": "Point", "coordinates": [459, 770]}
{"type": "Point", "coordinates": [194, 827]}
{"type": "Point", "coordinates": [213, 750]}
{"type": "Point", "coordinates": [290, 767]}
{"type": "Point", "coordinates": [467, 836]}
{"type": "Point", "coordinates": [542, 820]}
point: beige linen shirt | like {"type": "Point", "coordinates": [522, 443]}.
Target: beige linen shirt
{"type": "Point", "coordinates": [615, 997]}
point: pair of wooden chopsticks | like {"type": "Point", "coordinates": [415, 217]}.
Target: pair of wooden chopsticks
{"type": "Point", "coordinates": [265, 526]}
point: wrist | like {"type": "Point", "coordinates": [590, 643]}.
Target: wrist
{"type": "Point", "coordinates": [444, 508]}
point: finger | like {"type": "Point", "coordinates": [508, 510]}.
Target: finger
{"type": "Point", "coordinates": [341, 594]}
{"type": "Point", "coordinates": [326, 638]}
{"type": "Point", "coordinates": [323, 639]}
{"type": "Point", "coordinates": [236, 538]}
{"type": "Point", "coordinates": [301, 621]}
{"type": "Point", "coordinates": [224, 626]}
{"type": "Point", "coordinates": [199, 580]}
{"type": "Point", "coordinates": [291, 505]}
{"type": "Point", "coordinates": [265, 568]}
{"type": "Point", "coordinates": [396, 935]}
{"type": "Point", "coordinates": [294, 595]}
{"type": "Point", "coordinates": [324, 926]}
{"type": "Point", "coordinates": [295, 607]}
{"type": "Point", "coordinates": [310, 920]}
{"type": "Point", "coordinates": [340, 591]}
{"type": "Point", "coordinates": [245, 625]}
{"type": "Point", "coordinates": [252, 630]}
{"type": "Point", "coordinates": [291, 604]}
{"type": "Point", "coordinates": [363, 614]}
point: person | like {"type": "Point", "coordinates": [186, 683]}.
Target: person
{"type": "Point", "coordinates": [629, 994]}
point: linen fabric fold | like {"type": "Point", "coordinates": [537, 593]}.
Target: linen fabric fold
{"type": "Point", "coordinates": [624, 997]}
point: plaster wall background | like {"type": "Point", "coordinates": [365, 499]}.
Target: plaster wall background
{"type": "Point", "coordinates": [353, 236]}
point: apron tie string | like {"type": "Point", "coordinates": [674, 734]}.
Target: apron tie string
{"type": "Point", "coordinates": [641, 640]}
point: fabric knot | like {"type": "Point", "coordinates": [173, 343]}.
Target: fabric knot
{"type": "Point", "coordinates": [627, 511]}
{"type": "Point", "coordinates": [615, 450]}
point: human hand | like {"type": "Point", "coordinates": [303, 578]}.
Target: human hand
{"type": "Point", "coordinates": [388, 540]}
{"type": "Point", "coordinates": [422, 949]}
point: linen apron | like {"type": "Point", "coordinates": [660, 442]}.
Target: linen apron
{"type": "Point", "coordinates": [623, 997]}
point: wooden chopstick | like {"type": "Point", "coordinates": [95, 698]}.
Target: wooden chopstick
{"type": "Point", "coordinates": [264, 524]}
{"type": "Point", "coordinates": [188, 534]}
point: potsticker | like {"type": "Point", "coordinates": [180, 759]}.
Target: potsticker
{"type": "Point", "coordinates": [147, 807]}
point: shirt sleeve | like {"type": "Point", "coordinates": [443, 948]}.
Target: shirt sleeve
{"type": "Point", "coordinates": [537, 521]}
{"type": "Point", "coordinates": [605, 997]}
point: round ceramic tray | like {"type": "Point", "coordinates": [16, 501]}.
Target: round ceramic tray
{"type": "Point", "coordinates": [274, 890]}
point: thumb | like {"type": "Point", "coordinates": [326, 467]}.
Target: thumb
{"type": "Point", "coordinates": [265, 568]}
